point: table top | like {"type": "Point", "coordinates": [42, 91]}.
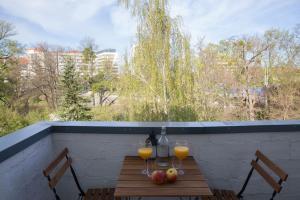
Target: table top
{"type": "Point", "coordinates": [132, 183]}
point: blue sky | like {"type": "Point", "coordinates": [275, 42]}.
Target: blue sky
{"type": "Point", "coordinates": [67, 22]}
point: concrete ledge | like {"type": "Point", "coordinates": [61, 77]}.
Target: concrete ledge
{"type": "Point", "coordinates": [176, 127]}
{"type": "Point", "coordinates": [19, 140]}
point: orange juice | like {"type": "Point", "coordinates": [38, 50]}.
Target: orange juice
{"type": "Point", "coordinates": [145, 152]}
{"type": "Point", "coordinates": [181, 152]}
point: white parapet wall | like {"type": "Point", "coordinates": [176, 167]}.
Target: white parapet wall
{"type": "Point", "coordinates": [223, 158]}
{"type": "Point", "coordinates": [97, 155]}
{"type": "Point", "coordinates": [21, 176]}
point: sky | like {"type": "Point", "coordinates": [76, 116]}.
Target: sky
{"type": "Point", "coordinates": [67, 22]}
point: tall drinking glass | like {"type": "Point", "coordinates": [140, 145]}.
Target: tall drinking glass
{"type": "Point", "coordinates": [181, 151]}
{"type": "Point", "coordinates": [144, 150]}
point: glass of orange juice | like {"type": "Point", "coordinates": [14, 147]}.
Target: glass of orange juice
{"type": "Point", "coordinates": [181, 151]}
{"type": "Point", "coordinates": [144, 151]}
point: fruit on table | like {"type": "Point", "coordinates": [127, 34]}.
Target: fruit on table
{"type": "Point", "coordinates": [158, 177]}
{"type": "Point", "coordinates": [171, 175]}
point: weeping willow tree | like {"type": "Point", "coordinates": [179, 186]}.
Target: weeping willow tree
{"type": "Point", "coordinates": [158, 76]}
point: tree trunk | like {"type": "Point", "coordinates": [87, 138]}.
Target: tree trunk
{"type": "Point", "coordinates": [93, 99]}
{"type": "Point", "coordinates": [165, 90]}
{"type": "Point", "coordinates": [251, 107]}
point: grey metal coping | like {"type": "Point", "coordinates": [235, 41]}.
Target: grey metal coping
{"type": "Point", "coordinates": [15, 142]}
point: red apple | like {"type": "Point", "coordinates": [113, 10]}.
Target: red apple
{"type": "Point", "coordinates": [158, 177]}
{"type": "Point", "coordinates": [171, 175]}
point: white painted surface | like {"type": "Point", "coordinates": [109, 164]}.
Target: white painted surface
{"type": "Point", "coordinates": [224, 159]}
{"type": "Point", "coordinates": [21, 176]}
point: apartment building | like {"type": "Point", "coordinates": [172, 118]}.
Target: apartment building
{"type": "Point", "coordinates": [107, 58]}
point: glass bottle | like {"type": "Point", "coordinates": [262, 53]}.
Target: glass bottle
{"type": "Point", "coordinates": [163, 149]}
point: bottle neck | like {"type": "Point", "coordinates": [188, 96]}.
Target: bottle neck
{"type": "Point", "coordinates": [163, 138]}
{"type": "Point", "coordinates": [163, 131]}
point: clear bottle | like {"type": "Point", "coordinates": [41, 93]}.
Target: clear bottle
{"type": "Point", "coordinates": [163, 149]}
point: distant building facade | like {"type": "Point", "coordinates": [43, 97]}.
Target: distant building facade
{"type": "Point", "coordinates": [107, 58]}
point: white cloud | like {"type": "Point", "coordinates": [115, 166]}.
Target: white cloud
{"type": "Point", "coordinates": [123, 22]}
{"type": "Point", "coordinates": [217, 20]}
{"type": "Point", "coordinates": [67, 21]}
{"type": "Point", "coordinates": [56, 16]}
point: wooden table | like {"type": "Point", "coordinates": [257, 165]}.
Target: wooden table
{"type": "Point", "coordinates": [132, 183]}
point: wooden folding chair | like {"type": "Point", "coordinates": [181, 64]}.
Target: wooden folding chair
{"type": "Point", "coordinates": [95, 194]}
{"type": "Point", "coordinates": [276, 185]}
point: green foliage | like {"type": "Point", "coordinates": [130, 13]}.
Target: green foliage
{"type": "Point", "coordinates": [88, 66]}
{"type": "Point", "coordinates": [88, 55]}
{"type": "Point", "coordinates": [8, 50]}
{"type": "Point", "coordinates": [177, 113]}
{"type": "Point", "coordinates": [164, 79]}
{"type": "Point", "coordinates": [104, 84]}
{"type": "Point", "coordinates": [159, 79]}
{"type": "Point", "coordinates": [183, 113]}
{"type": "Point", "coordinates": [108, 113]}
{"type": "Point", "coordinates": [73, 104]}
{"type": "Point", "coordinates": [145, 112]}
{"type": "Point", "coordinates": [11, 120]}
{"type": "Point", "coordinates": [37, 115]}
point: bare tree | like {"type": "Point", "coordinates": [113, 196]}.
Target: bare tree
{"type": "Point", "coordinates": [249, 51]}
{"type": "Point", "coordinates": [45, 69]}
{"type": "Point", "coordinates": [8, 47]}
{"type": "Point", "coordinates": [284, 93]}
{"type": "Point", "coordinates": [9, 52]}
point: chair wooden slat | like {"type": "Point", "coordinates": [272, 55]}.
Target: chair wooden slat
{"type": "Point", "coordinates": [59, 173]}
{"type": "Point", "coordinates": [230, 195]}
{"type": "Point", "coordinates": [266, 176]}
{"type": "Point", "coordinates": [91, 194]}
{"type": "Point", "coordinates": [276, 169]}
{"type": "Point", "coordinates": [55, 162]}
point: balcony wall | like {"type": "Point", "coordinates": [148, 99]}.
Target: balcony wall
{"type": "Point", "coordinates": [21, 175]}
{"type": "Point", "coordinates": [223, 151]}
